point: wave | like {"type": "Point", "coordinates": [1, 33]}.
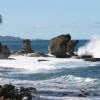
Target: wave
{"type": "Point", "coordinates": [63, 86]}
{"type": "Point", "coordinates": [91, 48]}
{"type": "Point", "coordinates": [32, 64]}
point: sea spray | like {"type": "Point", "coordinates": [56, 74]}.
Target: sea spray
{"type": "Point", "coordinates": [91, 48]}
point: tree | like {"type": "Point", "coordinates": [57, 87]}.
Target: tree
{"type": "Point", "coordinates": [0, 19]}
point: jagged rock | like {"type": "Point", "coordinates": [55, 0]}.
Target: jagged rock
{"type": "Point", "coordinates": [10, 92]}
{"type": "Point", "coordinates": [62, 46]}
{"type": "Point", "coordinates": [27, 46]}
{"type": "Point", "coordinates": [71, 47]}
{"type": "Point", "coordinates": [4, 51]}
{"type": "Point", "coordinates": [58, 45]}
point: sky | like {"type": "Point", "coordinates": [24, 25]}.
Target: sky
{"type": "Point", "coordinates": [44, 19]}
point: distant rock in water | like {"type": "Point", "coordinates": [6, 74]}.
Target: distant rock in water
{"type": "Point", "coordinates": [62, 46]}
{"type": "Point", "coordinates": [4, 51]}
{"type": "Point", "coordinates": [26, 48]}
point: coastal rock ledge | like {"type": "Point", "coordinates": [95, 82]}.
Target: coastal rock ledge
{"type": "Point", "coordinates": [10, 92]}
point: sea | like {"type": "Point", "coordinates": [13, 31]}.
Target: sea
{"type": "Point", "coordinates": [56, 78]}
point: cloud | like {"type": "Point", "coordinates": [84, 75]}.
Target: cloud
{"type": "Point", "coordinates": [40, 26]}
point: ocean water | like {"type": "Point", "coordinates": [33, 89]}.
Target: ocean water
{"type": "Point", "coordinates": [55, 79]}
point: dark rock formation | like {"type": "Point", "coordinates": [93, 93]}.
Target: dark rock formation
{"type": "Point", "coordinates": [39, 60]}
{"type": "Point", "coordinates": [71, 47]}
{"type": "Point", "coordinates": [10, 92]}
{"type": "Point", "coordinates": [62, 46]}
{"type": "Point", "coordinates": [4, 51]}
{"type": "Point", "coordinates": [27, 46]}
{"type": "Point", "coordinates": [89, 58]}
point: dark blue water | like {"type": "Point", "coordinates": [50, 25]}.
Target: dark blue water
{"type": "Point", "coordinates": [37, 45]}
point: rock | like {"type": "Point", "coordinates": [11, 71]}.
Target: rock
{"type": "Point", "coordinates": [62, 46]}
{"type": "Point", "coordinates": [4, 51]}
{"type": "Point", "coordinates": [71, 47]}
{"type": "Point", "coordinates": [86, 56]}
{"type": "Point", "coordinates": [7, 90]}
{"type": "Point", "coordinates": [92, 59]}
{"type": "Point", "coordinates": [8, 87]}
{"type": "Point", "coordinates": [39, 60]}
{"type": "Point", "coordinates": [83, 93]}
{"type": "Point", "coordinates": [10, 92]}
{"type": "Point", "coordinates": [39, 54]}
{"type": "Point", "coordinates": [22, 52]}
{"type": "Point", "coordinates": [2, 98]}
{"type": "Point", "coordinates": [89, 58]}
{"type": "Point", "coordinates": [58, 45]}
{"type": "Point", "coordinates": [27, 46]}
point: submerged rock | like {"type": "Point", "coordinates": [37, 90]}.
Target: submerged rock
{"type": "Point", "coordinates": [89, 58]}
{"type": "Point", "coordinates": [39, 60]}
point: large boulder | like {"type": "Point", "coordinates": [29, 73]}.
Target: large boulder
{"type": "Point", "coordinates": [11, 92]}
{"type": "Point", "coordinates": [62, 46]}
{"type": "Point", "coordinates": [58, 45]}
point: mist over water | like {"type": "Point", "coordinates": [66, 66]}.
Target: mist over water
{"type": "Point", "coordinates": [91, 48]}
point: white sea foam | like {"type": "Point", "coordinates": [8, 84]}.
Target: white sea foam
{"type": "Point", "coordinates": [32, 64]}
{"type": "Point", "coordinates": [91, 48]}
{"type": "Point", "coordinates": [68, 98]}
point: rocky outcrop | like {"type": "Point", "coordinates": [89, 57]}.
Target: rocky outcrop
{"type": "Point", "coordinates": [62, 46]}
{"type": "Point", "coordinates": [10, 92]}
{"type": "Point", "coordinates": [27, 46]}
{"type": "Point", "coordinates": [4, 51]}
{"type": "Point", "coordinates": [89, 58]}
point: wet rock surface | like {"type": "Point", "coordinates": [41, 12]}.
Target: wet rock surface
{"type": "Point", "coordinates": [26, 48]}
{"type": "Point", "coordinates": [10, 92]}
{"type": "Point", "coordinates": [89, 58]}
{"type": "Point", "coordinates": [4, 51]}
{"type": "Point", "coordinates": [62, 46]}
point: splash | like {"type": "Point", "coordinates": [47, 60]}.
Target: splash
{"type": "Point", "coordinates": [91, 48]}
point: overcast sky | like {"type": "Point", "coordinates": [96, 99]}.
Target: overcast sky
{"type": "Point", "coordinates": [48, 18]}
